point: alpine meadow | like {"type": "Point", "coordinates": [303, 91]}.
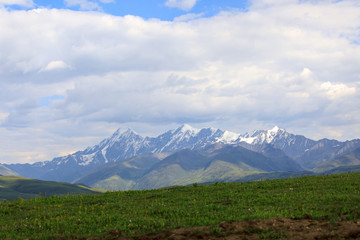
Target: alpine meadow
{"type": "Point", "coordinates": [320, 207]}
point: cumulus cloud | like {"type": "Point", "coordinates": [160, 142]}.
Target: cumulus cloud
{"type": "Point", "coordinates": [293, 65]}
{"type": "Point", "coordinates": [185, 5]}
{"type": "Point", "coordinates": [337, 90]}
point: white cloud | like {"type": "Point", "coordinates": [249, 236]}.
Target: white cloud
{"type": "Point", "coordinates": [83, 4]}
{"type": "Point", "coordinates": [188, 17]}
{"type": "Point", "coordinates": [271, 3]}
{"type": "Point", "coordinates": [293, 65]}
{"type": "Point", "coordinates": [185, 5]}
{"type": "Point", "coordinates": [55, 65]}
{"type": "Point", "coordinates": [337, 90]}
{"type": "Point", "coordinates": [23, 3]}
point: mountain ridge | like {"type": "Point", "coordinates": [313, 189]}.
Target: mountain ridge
{"type": "Point", "coordinates": [126, 143]}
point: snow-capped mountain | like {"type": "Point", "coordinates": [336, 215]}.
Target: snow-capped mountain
{"type": "Point", "coordinates": [293, 145]}
{"type": "Point", "coordinates": [308, 153]}
{"type": "Point", "coordinates": [125, 143]}
{"type": "Point", "coordinates": [184, 137]}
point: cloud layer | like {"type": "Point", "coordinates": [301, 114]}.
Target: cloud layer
{"type": "Point", "coordinates": [285, 63]}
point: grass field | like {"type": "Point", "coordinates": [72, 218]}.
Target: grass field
{"type": "Point", "coordinates": [137, 212]}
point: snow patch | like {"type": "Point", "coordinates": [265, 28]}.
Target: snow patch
{"type": "Point", "coordinates": [103, 152]}
{"type": "Point", "coordinates": [249, 140]}
{"type": "Point", "coordinates": [274, 130]}
{"type": "Point", "coordinates": [229, 137]}
{"type": "Point", "coordinates": [86, 159]}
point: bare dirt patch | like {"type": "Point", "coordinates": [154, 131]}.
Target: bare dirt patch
{"type": "Point", "coordinates": [274, 228]}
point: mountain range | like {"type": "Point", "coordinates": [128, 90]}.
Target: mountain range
{"type": "Point", "coordinates": [185, 155]}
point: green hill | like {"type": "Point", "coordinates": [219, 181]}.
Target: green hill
{"type": "Point", "coordinates": [121, 175]}
{"type": "Point", "coordinates": [13, 187]}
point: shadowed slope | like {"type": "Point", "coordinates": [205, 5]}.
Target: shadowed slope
{"type": "Point", "coordinates": [13, 187]}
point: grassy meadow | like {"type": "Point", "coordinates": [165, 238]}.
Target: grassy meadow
{"type": "Point", "coordinates": [137, 212]}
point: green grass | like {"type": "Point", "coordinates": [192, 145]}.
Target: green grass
{"type": "Point", "coordinates": [136, 212]}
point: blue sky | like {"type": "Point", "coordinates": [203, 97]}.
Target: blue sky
{"type": "Point", "coordinates": [73, 71]}
{"type": "Point", "coordinates": [143, 8]}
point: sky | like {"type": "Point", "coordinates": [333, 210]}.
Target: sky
{"type": "Point", "coordinates": [74, 71]}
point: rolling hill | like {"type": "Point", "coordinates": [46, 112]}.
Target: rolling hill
{"type": "Point", "coordinates": [13, 187]}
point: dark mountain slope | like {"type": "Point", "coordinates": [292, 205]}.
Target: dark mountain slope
{"type": "Point", "coordinates": [4, 171]}
{"type": "Point", "coordinates": [347, 160]}
{"type": "Point", "coordinates": [13, 187]}
{"type": "Point", "coordinates": [215, 163]}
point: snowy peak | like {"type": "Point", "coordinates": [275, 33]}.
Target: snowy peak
{"type": "Point", "coordinates": [274, 130]}
{"type": "Point", "coordinates": [265, 136]}
{"type": "Point", "coordinates": [183, 133]}
{"type": "Point", "coordinates": [123, 135]}
{"type": "Point", "coordinates": [123, 132]}
{"type": "Point", "coordinates": [184, 137]}
{"type": "Point", "coordinates": [273, 133]}
{"type": "Point", "coordinates": [187, 129]}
